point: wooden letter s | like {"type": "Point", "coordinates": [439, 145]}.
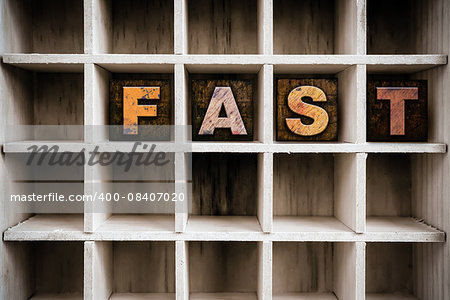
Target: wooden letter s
{"type": "Point", "coordinates": [318, 114]}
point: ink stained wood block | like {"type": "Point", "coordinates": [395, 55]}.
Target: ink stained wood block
{"type": "Point", "coordinates": [397, 111]}
{"type": "Point", "coordinates": [222, 109]}
{"type": "Point", "coordinates": [306, 109]}
{"type": "Point", "coordinates": [135, 104]}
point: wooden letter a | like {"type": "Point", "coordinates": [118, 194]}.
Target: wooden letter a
{"type": "Point", "coordinates": [222, 96]}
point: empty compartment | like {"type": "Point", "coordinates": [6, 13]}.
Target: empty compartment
{"type": "Point", "coordinates": [219, 270]}
{"type": "Point", "coordinates": [304, 191]}
{"type": "Point", "coordinates": [45, 99]}
{"type": "Point", "coordinates": [405, 27]}
{"type": "Point", "coordinates": [402, 270]}
{"type": "Point", "coordinates": [134, 270]}
{"type": "Point", "coordinates": [224, 192]}
{"type": "Point", "coordinates": [48, 270]}
{"type": "Point", "coordinates": [312, 270]}
{"type": "Point", "coordinates": [303, 27]}
{"type": "Point", "coordinates": [222, 27]}
{"type": "Point", "coordinates": [398, 198]}
{"type": "Point", "coordinates": [389, 185]}
{"type": "Point", "coordinates": [134, 195]}
{"type": "Point", "coordinates": [45, 26]}
{"type": "Point", "coordinates": [135, 27]}
{"type": "Point", "coordinates": [45, 183]}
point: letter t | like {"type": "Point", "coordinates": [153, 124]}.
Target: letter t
{"type": "Point", "coordinates": [397, 96]}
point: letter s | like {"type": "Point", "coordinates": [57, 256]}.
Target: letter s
{"type": "Point", "coordinates": [318, 114]}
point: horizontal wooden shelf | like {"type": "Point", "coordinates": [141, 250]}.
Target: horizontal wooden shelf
{"type": "Point", "coordinates": [389, 297]}
{"type": "Point", "coordinates": [65, 296]}
{"type": "Point", "coordinates": [137, 223]}
{"type": "Point", "coordinates": [222, 296]}
{"type": "Point", "coordinates": [223, 224]}
{"type": "Point", "coordinates": [309, 224]}
{"type": "Point", "coordinates": [46, 227]}
{"type": "Point", "coordinates": [405, 229]}
{"type": "Point", "coordinates": [305, 296]}
{"type": "Point", "coordinates": [142, 296]}
{"type": "Point", "coordinates": [237, 147]}
{"type": "Point", "coordinates": [159, 63]}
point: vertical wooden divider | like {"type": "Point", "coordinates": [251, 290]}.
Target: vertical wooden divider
{"type": "Point", "coordinates": [180, 26]}
{"type": "Point", "coordinates": [182, 270]}
{"type": "Point", "coordinates": [98, 270]}
{"type": "Point", "coordinates": [265, 27]}
{"type": "Point", "coordinates": [181, 138]}
{"type": "Point", "coordinates": [349, 265]}
{"type": "Point", "coordinates": [96, 116]}
{"type": "Point", "coordinates": [264, 291]}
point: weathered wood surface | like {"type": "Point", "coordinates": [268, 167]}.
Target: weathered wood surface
{"type": "Point", "coordinates": [57, 26]}
{"type": "Point", "coordinates": [58, 267]}
{"type": "Point", "coordinates": [204, 92]}
{"type": "Point", "coordinates": [389, 268]}
{"type": "Point", "coordinates": [143, 267]}
{"type": "Point", "coordinates": [302, 267]}
{"type": "Point", "coordinates": [304, 27]}
{"type": "Point", "coordinates": [142, 26]}
{"type": "Point", "coordinates": [389, 185]}
{"type": "Point", "coordinates": [224, 184]}
{"type": "Point", "coordinates": [303, 185]}
{"type": "Point", "coordinates": [222, 27]}
{"type": "Point", "coordinates": [306, 110]}
{"type": "Point", "coordinates": [216, 267]}
{"type": "Point", "coordinates": [392, 112]}
{"type": "Point", "coordinates": [163, 109]}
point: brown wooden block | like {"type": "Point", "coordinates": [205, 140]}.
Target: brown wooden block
{"type": "Point", "coordinates": [306, 109]}
{"type": "Point", "coordinates": [139, 100]}
{"type": "Point", "coordinates": [222, 107]}
{"type": "Point", "coordinates": [397, 110]}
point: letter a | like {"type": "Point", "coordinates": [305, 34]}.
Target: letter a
{"type": "Point", "coordinates": [132, 110]}
{"type": "Point", "coordinates": [318, 114]}
{"type": "Point", "coordinates": [222, 96]}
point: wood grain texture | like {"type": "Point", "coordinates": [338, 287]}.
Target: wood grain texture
{"type": "Point", "coordinates": [388, 185]}
{"type": "Point", "coordinates": [58, 267]}
{"type": "Point", "coordinates": [222, 267]}
{"type": "Point", "coordinates": [222, 97]}
{"type": "Point", "coordinates": [58, 99]}
{"type": "Point", "coordinates": [144, 267]}
{"type": "Point", "coordinates": [419, 27]}
{"type": "Point", "coordinates": [379, 113]}
{"type": "Point", "coordinates": [224, 184]}
{"type": "Point", "coordinates": [302, 267]}
{"type": "Point", "coordinates": [389, 268]}
{"type": "Point", "coordinates": [284, 86]}
{"type": "Point", "coordinates": [142, 26]}
{"type": "Point", "coordinates": [222, 27]}
{"type": "Point", "coordinates": [57, 26]}
{"type": "Point", "coordinates": [303, 27]}
{"type": "Point", "coordinates": [164, 107]}
{"type": "Point", "coordinates": [303, 184]}
{"type": "Point", "coordinates": [202, 91]}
